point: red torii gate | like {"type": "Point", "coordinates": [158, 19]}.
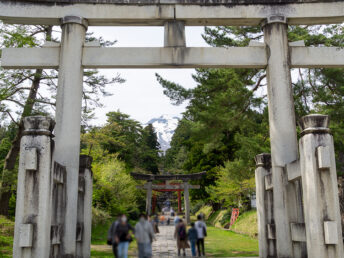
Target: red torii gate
{"type": "Point", "coordinates": [167, 187]}
{"type": "Point", "coordinates": [154, 201]}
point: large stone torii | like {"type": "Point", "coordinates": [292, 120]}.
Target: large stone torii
{"type": "Point", "coordinates": [275, 54]}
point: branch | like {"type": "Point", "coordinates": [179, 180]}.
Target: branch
{"type": "Point", "coordinates": [11, 117]}
{"type": "Point", "coordinates": [15, 101]}
{"type": "Point", "coordinates": [258, 83]}
{"type": "Point", "coordinates": [45, 102]}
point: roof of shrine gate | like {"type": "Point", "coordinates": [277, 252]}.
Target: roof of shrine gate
{"type": "Point", "coordinates": [188, 2]}
{"type": "Point", "coordinates": [183, 177]}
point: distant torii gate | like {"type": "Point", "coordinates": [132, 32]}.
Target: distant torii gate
{"type": "Point", "coordinates": [169, 187]}
{"type": "Point", "coordinates": [185, 186]}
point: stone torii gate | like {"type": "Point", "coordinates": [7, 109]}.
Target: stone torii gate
{"type": "Point", "coordinates": [185, 186]}
{"type": "Point", "coordinates": [276, 54]}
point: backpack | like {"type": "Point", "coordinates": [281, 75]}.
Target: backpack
{"type": "Point", "coordinates": [182, 232]}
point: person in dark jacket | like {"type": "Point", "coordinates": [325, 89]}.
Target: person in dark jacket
{"type": "Point", "coordinates": [123, 237]}
{"type": "Point", "coordinates": [192, 236]}
{"type": "Point", "coordinates": [181, 236]}
{"type": "Point", "coordinates": [111, 236]}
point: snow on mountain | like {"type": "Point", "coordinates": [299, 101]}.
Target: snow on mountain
{"type": "Point", "coordinates": [164, 127]}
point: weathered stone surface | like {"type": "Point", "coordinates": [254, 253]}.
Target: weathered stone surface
{"type": "Point", "coordinates": [33, 204]}
{"type": "Point", "coordinates": [320, 189]}
{"type": "Point", "coordinates": [293, 170]}
{"type": "Point", "coordinates": [37, 124]}
{"type": "Point", "coordinates": [298, 232]}
{"type": "Point", "coordinates": [264, 205]}
{"type": "Point", "coordinates": [263, 160]}
{"type": "Point", "coordinates": [68, 120]}
{"type": "Point", "coordinates": [282, 125]}
{"type": "Point", "coordinates": [196, 2]}
{"type": "Point", "coordinates": [174, 34]}
{"type": "Point", "coordinates": [314, 123]}
{"type": "Point", "coordinates": [158, 14]}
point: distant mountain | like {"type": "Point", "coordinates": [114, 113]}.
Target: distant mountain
{"type": "Point", "coordinates": [164, 127]}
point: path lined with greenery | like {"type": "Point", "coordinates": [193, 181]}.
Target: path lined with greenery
{"type": "Point", "coordinates": [219, 243]}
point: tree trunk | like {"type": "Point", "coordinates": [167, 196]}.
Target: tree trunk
{"type": "Point", "coordinates": [4, 202]}
{"type": "Point", "coordinates": [12, 155]}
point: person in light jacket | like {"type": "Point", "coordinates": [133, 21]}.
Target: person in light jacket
{"type": "Point", "coordinates": [201, 234]}
{"type": "Point", "coordinates": [144, 235]}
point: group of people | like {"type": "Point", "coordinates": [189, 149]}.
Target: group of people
{"type": "Point", "coordinates": [121, 234]}
{"type": "Point", "coordinates": [195, 235]}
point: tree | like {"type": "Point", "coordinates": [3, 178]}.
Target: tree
{"type": "Point", "coordinates": [150, 150]}
{"type": "Point", "coordinates": [25, 89]}
{"type": "Point", "coordinates": [114, 189]}
{"type": "Point", "coordinates": [124, 137]}
{"type": "Point", "coordinates": [226, 116]}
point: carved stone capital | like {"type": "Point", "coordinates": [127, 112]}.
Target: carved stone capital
{"type": "Point", "coordinates": [314, 123]}
{"type": "Point", "coordinates": [38, 125]}
{"type": "Point", "coordinates": [274, 19]}
{"type": "Point", "coordinates": [263, 160]}
{"type": "Point", "coordinates": [85, 161]}
{"type": "Point", "coordinates": [74, 20]}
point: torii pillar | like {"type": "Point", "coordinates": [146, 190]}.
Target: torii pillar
{"type": "Point", "coordinates": [283, 137]}
{"type": "Point", "coordinates": [187, 202]}
{"type": "Point", "coordinates": [68, 120]}
{"type": "Point", "coordinates": [149, 198]}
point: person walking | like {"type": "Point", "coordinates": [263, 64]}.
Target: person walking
{"type": "Point", "coordinates": [176, 220]}
{"type": "Point", "coordinates": [144, 235]}
{"type": "Point", "coordinates": [156, 224]}
{"type": "Point", "coordinates": [123, 237]}
{"type": "Point", "coordinates": [181, 236]}
{"type": "Point", "coordinates": [192, 236]}
{"type": "Point", "coordinates": [111, 236]}
{"type": "Point", "coordinates": [201, 234]}
{"type": "Point", "coordinates": [162, 219]}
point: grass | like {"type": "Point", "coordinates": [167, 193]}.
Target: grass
{"type": "Point", "coordinates": [225, 243]}
{"type": "Point", "coordinates": [6, 237]}
{"type": "Point", "coordinates": [99, 247]}
{"type": "Point", "coordinates": [207, 210]}
{"type": "Point", "coordinates": [247, 224]}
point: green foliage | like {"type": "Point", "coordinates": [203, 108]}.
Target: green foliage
{"type": "Point", "coordinates": [195, 207]}
{"type": "Point", "coordinates": [206, 210]}
{"type": "Point", "coordinates": [150, 150]}
{"type": "Point", "coordinates": [118, 147]}
{"type": "Point", "coordinates": [247, 224]}
{"type": "Point", "coordinates": [226, 218]}
{"type": "Point", "coordinates": [6, 237]}
{"type": "Point", "coordinates": [124, 138]}
{"type": "Point", "coordinates": [114, 189]}
{"type": "Point", "coordinates": [226, 121]}
{"type": "Point", "coordinates": [99, 217]}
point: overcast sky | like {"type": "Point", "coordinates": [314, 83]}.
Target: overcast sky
{"type": "Point", "coordinates": [141, 96]}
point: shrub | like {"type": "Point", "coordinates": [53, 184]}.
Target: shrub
{"type": "Point", "coordinates": [114, 190]}
{"type": "Point", "coordinates": [225, 220]}
{"type": "Point", "coordinates": [197, 206]}
{"type": "Point", "coordinates": [99, 216]}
